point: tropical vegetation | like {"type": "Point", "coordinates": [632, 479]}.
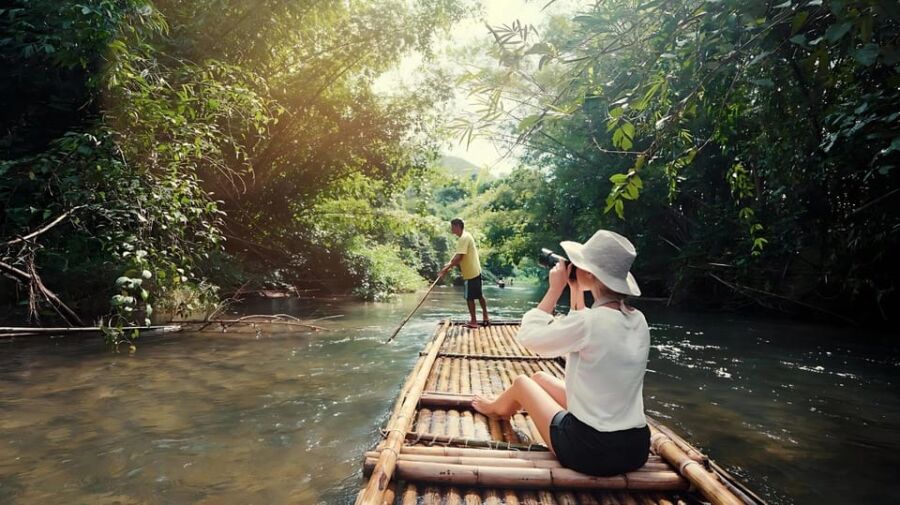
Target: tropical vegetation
{"type": "Point", "coordinates": [155, 155]}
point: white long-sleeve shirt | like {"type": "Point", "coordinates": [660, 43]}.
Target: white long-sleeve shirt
{"type": "Point", "coordinates": [606, 357]}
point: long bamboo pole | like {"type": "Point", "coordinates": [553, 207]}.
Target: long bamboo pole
{"type": "Point", "coordinates": [396, 432]}
{"type": "Point", "coordinates": [404, 391]}
{"type": "Point", "coordinates": [513, 357]}
{"type": "Point", "coordinates": [483, 453]}
{"type": "Point", "coordinates": [688, 449]}
{"type": "Point", "coordinates": [482, 439]}
{"type": "Point", "coordinates": [433, 284]}
{"type": "Point", "coordinates": [732, 484]}
{"type": "Point", "coordinates": [692, 470]}
{"type": "Point", "coordinates": [445, 400]}
{"type": "Point", "coordinates": [372, 457]}
{"type": "Point", "coordinates": [490, 453]}
{"type": "Point", "coordinates": [540, 478]}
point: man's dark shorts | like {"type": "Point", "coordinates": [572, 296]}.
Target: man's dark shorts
{"type": "Point", "coordinates": [472, 288]}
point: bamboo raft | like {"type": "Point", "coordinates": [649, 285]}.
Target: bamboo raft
{"type": "Point", "coordinates": [437, 450]}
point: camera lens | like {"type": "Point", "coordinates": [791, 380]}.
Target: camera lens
{"type": "Point", "coordinates": [546, 258]}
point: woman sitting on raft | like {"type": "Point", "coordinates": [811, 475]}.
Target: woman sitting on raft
{"type": "Point", "coordinates": [594, 421]}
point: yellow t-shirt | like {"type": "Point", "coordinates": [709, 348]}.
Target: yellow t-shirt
{"type": "Point", "coordinates": [470, 266]}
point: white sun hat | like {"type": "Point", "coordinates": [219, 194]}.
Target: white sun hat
{"type": "Point", "coordinates": [608, 256]}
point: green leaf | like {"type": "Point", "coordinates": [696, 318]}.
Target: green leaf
{"type": "Point", "coordinates": [631, 191]}
{"type": "Point", "coordinates": [799, 21]}
{"type": "Point", "coordinates": [610, 203]}
{"type": "Point", "coordinates": [639, 164]}
{"type": "Point", "coordinates": [544, 60]}
{"type": "Point", "coordinates": [528, 122]}
{"type": "Point", "coordinates": [618, 178]}
{"type": "Point", "coordinates": [765, 83]}
{"type": "Point", "coordinates": [540, 48]}
{"type": "Point", "coordinates": [800, 40]}
{"type": "Point", "coordinates": [837, 30]}
{"type": "Point", "coordinates": [618, 137]}
{"type": "Point", "coordinates": [867, 54]}
{"type": "Point", "coordinates": [636, 180]}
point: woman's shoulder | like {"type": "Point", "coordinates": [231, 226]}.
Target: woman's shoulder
{"type": "Point", "coordinates": [628, 316]}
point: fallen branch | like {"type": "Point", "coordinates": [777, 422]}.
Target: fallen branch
{"type": "Point", "coordinates": [32, 279]}
{"type": "Point", "coordinates": [224, 304]}
{"type": "Point", "coordinates": [28, 331]}
{"type": "Point", "coordinates": [280, 319]}
{"type": "Point", "coordinates": [44, 228]}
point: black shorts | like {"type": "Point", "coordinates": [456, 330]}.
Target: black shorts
{"type": "Point", "coordinates": [472, 288]}
{"type": "Point", "coordinates": [602, 453]}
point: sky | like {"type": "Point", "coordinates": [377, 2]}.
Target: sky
{"type": "Point", "coordinates": [482, 152]}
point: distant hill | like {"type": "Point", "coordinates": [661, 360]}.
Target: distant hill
{"type": "Point", "coordinates": [458, 166]}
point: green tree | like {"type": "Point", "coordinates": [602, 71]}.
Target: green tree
{"type": "Point", "coordinates": [752, 143]}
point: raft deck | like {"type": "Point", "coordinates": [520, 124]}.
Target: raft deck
{"type": "Point", "coordinates": [437, 450]}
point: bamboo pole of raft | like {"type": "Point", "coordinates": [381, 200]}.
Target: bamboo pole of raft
{"type": "Point", "coordinates": [706, 482]}
{"type": "Point", "coordinates": [535, 478]}
{"type": "Point", "coordinates": [512, 357]}
{"type": "Point", "coordinates": [492, 453]}
{"type": "Point", "coordinates": [483, 453]}
{"type": "Point", "coordinates": [511, 462]}
{"type": "Point", "coordinates": [732, 484]}
{"type": "Point", "coordinates": [433, 284]}
{"type": "Point", "coordinates": [435, 399]}
{"type": "Point", "coordinates": [693, 453]}
{"type": "Point", "coordinates": [404, 390]}
{"type": "Point", "coordinates": [484, 440]}
{"type": "Point", "coordinates": [396, 431]}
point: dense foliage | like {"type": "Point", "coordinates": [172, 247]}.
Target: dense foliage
{"type": "Point", "coordinates": [750, 147]}
{"type": "Point", "coordinates": [154, 151]}
{"type": "Point", "coordinates": [220, 140]}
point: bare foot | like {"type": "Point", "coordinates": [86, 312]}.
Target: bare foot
{"type": "Point", "coordinates": [484, 406]}
{"type": "Point", "coordinates": [486, 322]}
{"type": "Point", "coordinates": [472, 324]}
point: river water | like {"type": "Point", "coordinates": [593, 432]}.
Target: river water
{"type": "Point", "coordinates": [804, 414]}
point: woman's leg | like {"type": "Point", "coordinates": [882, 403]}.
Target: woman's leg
{"type": "Point", "coordinates": [553, 385]}
{"type": "Point", "coordinates": [523, 393]}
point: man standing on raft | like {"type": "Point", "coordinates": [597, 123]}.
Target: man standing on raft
{"type": "Point", "coordinates": [466, 258]}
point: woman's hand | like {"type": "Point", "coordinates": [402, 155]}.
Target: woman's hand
{"type": "Point", "coordinates": [559, 276]}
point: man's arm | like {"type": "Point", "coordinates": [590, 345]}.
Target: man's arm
{"type": "Point", "coordinates": [457, 258]}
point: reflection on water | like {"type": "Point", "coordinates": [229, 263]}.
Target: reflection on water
{"type": "Point", "coordinates": [805, 415]}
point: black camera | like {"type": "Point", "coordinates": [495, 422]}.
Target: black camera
{"type": "Point", "coordinates": [548, 259]}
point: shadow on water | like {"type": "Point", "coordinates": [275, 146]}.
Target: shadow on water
{"type": "Point", "coordinates": [805, 414]}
